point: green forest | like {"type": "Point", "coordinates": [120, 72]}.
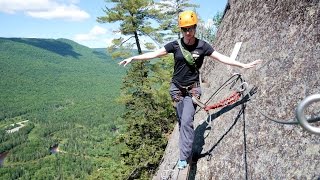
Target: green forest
{"type": "Point", "coordinates": [66, 94]}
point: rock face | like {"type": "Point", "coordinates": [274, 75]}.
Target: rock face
{"type": "Point", "coordinates": [286, 36]}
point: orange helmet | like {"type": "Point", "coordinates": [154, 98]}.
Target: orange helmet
{"type": "Point", "coordinates": [187, 18]}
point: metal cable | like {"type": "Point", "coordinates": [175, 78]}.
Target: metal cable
{"type": "Point", "coordinates": [289, 121]}
{"type": "Point", "coordinates": [245, 141]}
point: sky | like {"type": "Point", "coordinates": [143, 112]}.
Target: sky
{"type": "Point", "coordinates": [72, 19]}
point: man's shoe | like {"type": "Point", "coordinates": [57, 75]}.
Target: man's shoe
{"type": "Point", "coordinates": [182, 164]}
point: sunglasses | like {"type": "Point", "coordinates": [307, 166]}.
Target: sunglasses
{"type": "Point", "coordinates": [188, 29]}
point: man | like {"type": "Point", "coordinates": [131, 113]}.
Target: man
{"type": "Point", "coordinates": [185, 80]}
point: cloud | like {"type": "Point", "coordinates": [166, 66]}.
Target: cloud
{"type": "Point", "coordinates": [45, 9]}
{"type": "Point", "coordinates": [70, 12]}
{"type": "Point", "coordinates": [97, 37]}
{"type": "Point", "coordinates": [93, 34]}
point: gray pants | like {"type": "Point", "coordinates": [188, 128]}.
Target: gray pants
{"type": "Point", "coordinates": [185, 110]}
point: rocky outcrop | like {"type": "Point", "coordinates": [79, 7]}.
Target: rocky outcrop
{"type": "Point", "coordinates": [286, 36]}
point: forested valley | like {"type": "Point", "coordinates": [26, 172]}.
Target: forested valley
{"type": "Point", "coordinates": [63, 114]}
{"type": "Point", "coordinates": [65, 95]}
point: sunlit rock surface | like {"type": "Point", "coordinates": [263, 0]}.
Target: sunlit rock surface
{"type": "Point", "coordinates": [286, 36]}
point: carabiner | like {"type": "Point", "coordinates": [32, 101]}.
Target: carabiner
{"type": "Point", "coordinates": [242, 87]}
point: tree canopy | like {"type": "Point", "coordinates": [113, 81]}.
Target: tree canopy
{"type": "Point", "coordinates": [135, 17]}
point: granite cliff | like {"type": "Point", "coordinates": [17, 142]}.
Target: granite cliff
{"type": "Point", "coordinates": [245, 144]}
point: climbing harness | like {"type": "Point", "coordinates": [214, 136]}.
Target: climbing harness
{"type": "Point", "coordinates": [185, 89]}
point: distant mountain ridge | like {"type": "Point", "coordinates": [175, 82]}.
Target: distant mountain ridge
{"type": "Point", "coordinates": [61, 46]}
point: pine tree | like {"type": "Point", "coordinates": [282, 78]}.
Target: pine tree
{"type": "Point", "coordinates": [135, 17]}
{"type": "Point", "coordinates": [143, 138]}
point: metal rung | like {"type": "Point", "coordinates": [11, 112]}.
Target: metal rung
{"type": "Point", "coordinates": [300, 114]}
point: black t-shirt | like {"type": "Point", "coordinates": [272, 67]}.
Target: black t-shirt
{"type": "Point", "coordinates": [184, 73]}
